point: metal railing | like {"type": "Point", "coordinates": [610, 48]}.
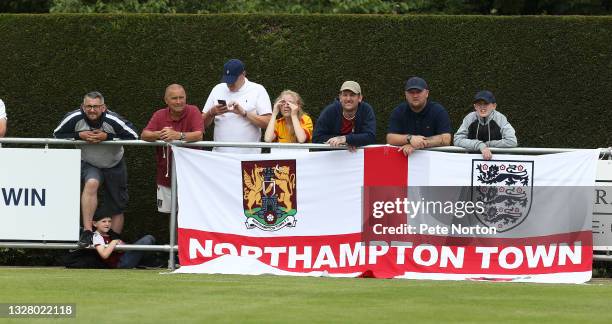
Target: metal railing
{"type": "Point", "coordinates": [171, 248]}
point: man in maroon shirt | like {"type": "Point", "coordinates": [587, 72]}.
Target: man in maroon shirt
{"type": "Point", "coordinates": [176, 122]}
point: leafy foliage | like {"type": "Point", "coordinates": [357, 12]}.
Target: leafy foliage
{"type": "Point", "coordinates": [503, 7]}
{"type": "Point", "coordinates": [99, 6]}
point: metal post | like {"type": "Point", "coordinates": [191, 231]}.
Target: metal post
{"type": "Point", "coordinates": [173, 205]}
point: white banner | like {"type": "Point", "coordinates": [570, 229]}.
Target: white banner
{"type": "Point", "coordinates": [312, 214]}
{"type": "Point", "coordinates": [549, 184]}
{"type": "Point", "coordinates": [602, 208]}
{"type": "Point", "coordinates": [39, 194]}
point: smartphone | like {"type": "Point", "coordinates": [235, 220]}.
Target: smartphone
{"type": "Point", "coordinates": [222, 102]}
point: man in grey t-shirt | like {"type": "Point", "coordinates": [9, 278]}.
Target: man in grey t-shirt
{"type": "Point", "coordinates": [101, 165]}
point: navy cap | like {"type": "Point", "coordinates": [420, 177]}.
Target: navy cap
{"type": "Point", "coordinates": [232, 69]}
{"type": "Point", "coordinates": [485, 95]}
{"type": "Point", "coordinates": [416, 83]}
{"type": "Point", "coordinates": [99, 217]}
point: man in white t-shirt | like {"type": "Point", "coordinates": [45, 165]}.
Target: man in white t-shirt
{"type": "Point", "coordinates": [240, 109]}
{"type": "Point", "coordinates": [2, 119]}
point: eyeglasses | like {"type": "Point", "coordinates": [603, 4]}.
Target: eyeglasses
{"type": "Point", "coordinates": [481, 105]}
{"type": "Point", "coordinates": [92, 107]}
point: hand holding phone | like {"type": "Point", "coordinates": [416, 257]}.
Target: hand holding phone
{"type": "Point", "coordinates": [222, 102]}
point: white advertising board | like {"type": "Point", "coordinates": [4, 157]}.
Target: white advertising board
{"type": "Point", "coordinates": [39, 194]}
{"type": "Point", "coordinates": [602, 210]}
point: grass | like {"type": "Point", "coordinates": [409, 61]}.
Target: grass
{"type": "Point", "coordinates": [147, 296]}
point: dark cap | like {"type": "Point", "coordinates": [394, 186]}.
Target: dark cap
{"type": "Point", "coordinates": [485, 95]}
{"type": "Point", "coordinates": [99, 217]}
{"type": "Point", "coordinates": [232, 69]}
{"type": "Point", "coordinates": [416, 83]}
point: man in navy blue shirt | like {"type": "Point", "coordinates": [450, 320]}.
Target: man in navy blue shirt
{"type": "Point", "coordinates": [419, 122]}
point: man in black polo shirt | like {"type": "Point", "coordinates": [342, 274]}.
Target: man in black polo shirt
{"type": "Point", "coordinates": [418, 123]}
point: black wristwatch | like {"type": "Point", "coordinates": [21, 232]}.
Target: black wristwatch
{"type": "Point", "coordinates": [182, 136]}
{"type": "Point", "coordinates": [408, 138]}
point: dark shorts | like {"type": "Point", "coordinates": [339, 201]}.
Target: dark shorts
{"type": "Point", "coordinates": [113, 182]}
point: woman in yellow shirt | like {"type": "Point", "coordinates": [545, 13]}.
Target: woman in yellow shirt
{"type": "Point", "coordinates": [294, 126]}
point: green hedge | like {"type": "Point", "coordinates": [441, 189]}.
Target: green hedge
{"type": "Point", "coordinates": [552, 75]}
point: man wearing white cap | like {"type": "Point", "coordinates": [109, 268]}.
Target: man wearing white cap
{"type": "Point", "coordinates": [240, 109]}
{"type": "Point", "coordinates": [348, 121]}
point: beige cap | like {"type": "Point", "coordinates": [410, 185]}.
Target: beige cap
{"type": "Point", "coordinates": [352, 86]}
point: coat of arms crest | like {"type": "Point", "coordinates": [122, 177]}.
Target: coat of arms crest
{"type": "Point", "coordinates": [269, 194]}
{"type": "Point", "coordinates": [505, 189]}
